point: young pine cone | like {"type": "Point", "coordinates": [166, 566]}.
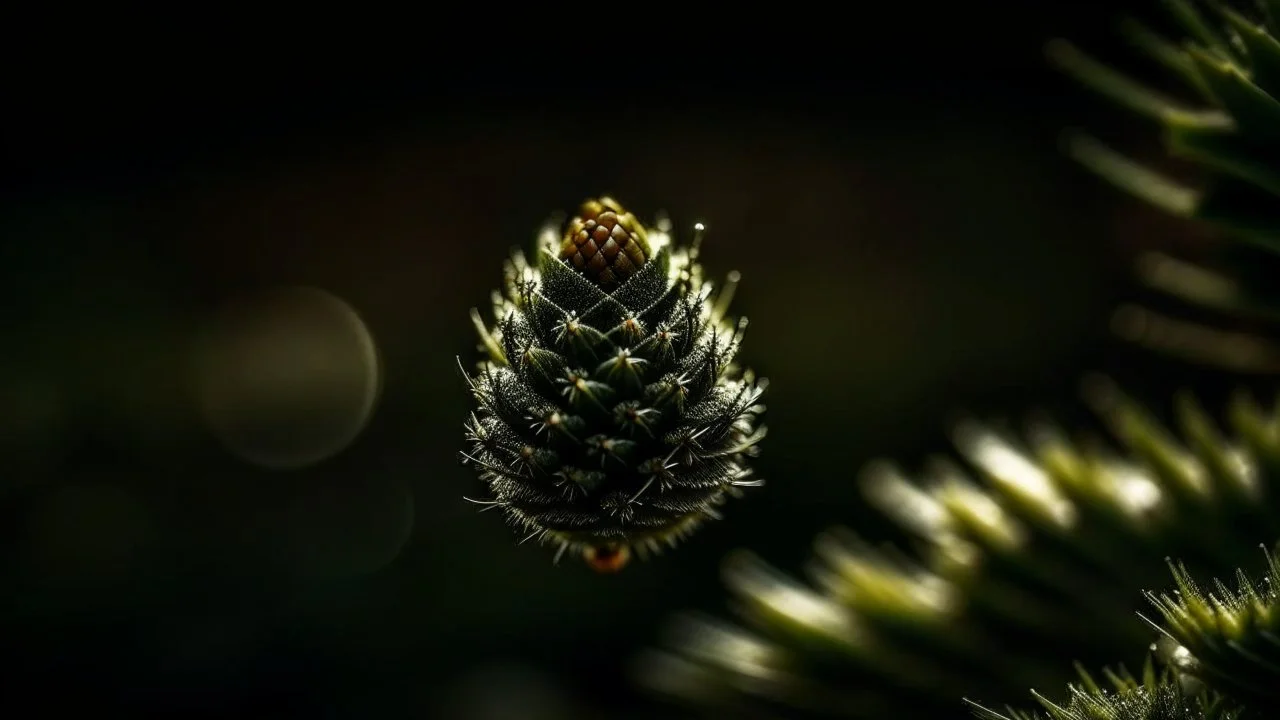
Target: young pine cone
{"type": "Point", "coordinates": [606, 242]}
{"type": "Point", "coordinates": [610, 414]}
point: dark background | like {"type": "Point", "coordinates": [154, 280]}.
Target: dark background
{"type": "Point", "coordinates": [912, 245]}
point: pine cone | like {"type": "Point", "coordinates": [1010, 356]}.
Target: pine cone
{"type": "Point", "coordinates": [605, 242]}
{"type": "Point", "coordinates": [610, 413]}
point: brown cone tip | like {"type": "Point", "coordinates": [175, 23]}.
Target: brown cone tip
{"type": "Point", "coordinates": [607, 558]}
{"type": "Point", "coordinates": [605, 243]}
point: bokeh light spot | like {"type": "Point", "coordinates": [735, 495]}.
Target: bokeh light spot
{"type": "Point", "coordinates": [287, 377]}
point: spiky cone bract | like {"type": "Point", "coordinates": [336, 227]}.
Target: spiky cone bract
{"type": "Point", "coordinates": [1232, 636]}
{"type": "Point", "coordinates": [610, 412]}
{"type": "Point", "coordinates": [1224, 125]}
{"type": "Point", "coordinates": [1153, 696]}
{"type": "Point", "coordinates": [1026, 554]}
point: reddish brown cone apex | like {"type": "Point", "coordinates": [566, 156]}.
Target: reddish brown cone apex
{"type": "Point", "coordinates": [607, 558]}
{"type": "Point", "coordinates": [605, 242]}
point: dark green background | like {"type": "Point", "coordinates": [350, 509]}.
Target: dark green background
{"type": "Point", "coordinates": [887, 180]}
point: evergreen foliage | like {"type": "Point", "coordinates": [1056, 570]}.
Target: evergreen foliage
{"type": "Point", "coordinates": [1034, 553]}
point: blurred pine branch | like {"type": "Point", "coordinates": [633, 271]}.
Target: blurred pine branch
{"type": "Point", "coordinates": [1034, 553]}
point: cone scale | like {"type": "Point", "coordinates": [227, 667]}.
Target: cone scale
{"type": "Point", "coordinates": [609, 413]}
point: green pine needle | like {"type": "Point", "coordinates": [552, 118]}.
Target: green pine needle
{"type": "Point", "coordinates": [1030, 549]}
{"type": "Point", "coordinates": [1151, 697]}
{"type": "Point", "coordinates": [1226, 123]}
{"type": "Point", "coordinates": [1131, 176]}
{"type": "Point", "coordinates": [1233, 635]}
